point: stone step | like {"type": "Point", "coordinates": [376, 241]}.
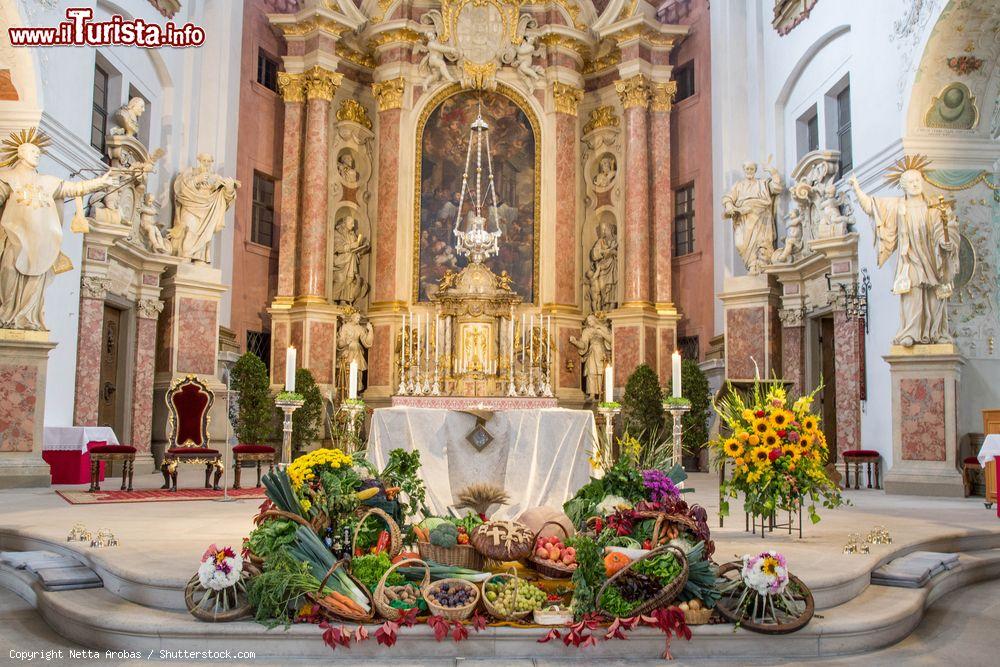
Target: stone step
{"type": "Point", "coordinates": [878, 617]}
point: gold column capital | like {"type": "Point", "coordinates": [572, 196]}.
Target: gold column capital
{"type": "Point", "coordinates": [389, 93]}
{"type": "Point", "coordinates": [601, 117]}
{"type": "Point", "coordinates": [292, 86]}
{"type": "Point", "coordinates": [352, 110]}
{"type": "Point", "coordinates": [663, 96]}
{"type": "Point", "coordinates": [567, 97]}
{"type": "Point", "coordinates": [633, 91]}
{"type": "Point", "coordinates": [322, 84]}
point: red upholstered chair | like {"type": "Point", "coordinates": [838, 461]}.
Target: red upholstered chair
{"type": "Point", "coordinates": [970, 470]}
{"type": "Point", "coordinates": [248, 453]}
{"type": "Point", "coordinates": [870, 458]}
{"type": "Point", "coordinates": [103, 452]}
{"type": "Point", "coordinates": [189, 402]}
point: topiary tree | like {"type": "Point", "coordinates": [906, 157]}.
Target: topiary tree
{"type": "Point", "coordinates": [642, 404]}
{"type": "Point", "coordinates": [306, 421]}
{"type": "Point", "coordinates": [694, 387]}
{"type": "Point", "coordinates": [255, 417]}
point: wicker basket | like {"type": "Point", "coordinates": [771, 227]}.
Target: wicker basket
{"type": "Point", "coordinates": [319, 523]}
{"type": "Point", "coordinates": [451, 613]}
{"type": "Point", "coordinates": [395, 536]}
{"type": "Point", "coordinates": [386, 610]}
{"type": "Point", "coordinates": [490, 607]}
{"type": "Point", "coordinates": [697, 616]}
{"type": "Point", "coordinates": [666, 594]}
{"type": "Point", "coordinates": [460, 555]}
{"type": "Point", "coordinates": [548, 568]}
{"type": "Point", "coordinates": [317, 598]}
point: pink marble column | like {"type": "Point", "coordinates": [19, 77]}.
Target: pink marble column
{"type": "Point", "coordinates": [847, 350]}
{"type": "Point", "coordinates": [291, 174]}
{"type": "Point", "coordinates": [384, 285]}
{"type": "Point", "coordinates": [634, 94]}
{"type": "Point", "coordinates": [662, 192]}
{"type": "Point", "coordinates": [315, 197]}
{"type": "Point", "coordinates": [793, 368]}
{"type": "Point", "coordinates": [88, 352]}
{"type": "Point", "coordinates": [565, 232]}
{"type": "Point", "coordinates": [142, 380]}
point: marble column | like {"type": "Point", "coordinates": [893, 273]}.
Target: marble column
{"type": "Point", "coordinates": [146, 313]}
{"type": "Point", "coordinates": [389, 96]}
{"type": "Point", "coordinates": [320, 87]}
{"type": "Point", "coordinates": [662, 192]}
{"type": "Point", "coordinates": [848, 335]}
{"type": "Point", "coordinates": [24, 359]}
{"type": "Point", "coordinates": [793, 349]}
{"type": "Point", "coordinates": [567, 98]}
{"type": "Point", "coordinates": [292, 88]}
{"type": "Point", "coordinates": [93, 290]}
{"type": "Point", "coordinates": [752, 327]}
{"type": "Point", "coordinates": [634, 95]}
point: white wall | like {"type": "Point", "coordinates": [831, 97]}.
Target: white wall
{"type": "Point", "coordinates": [193, 95]}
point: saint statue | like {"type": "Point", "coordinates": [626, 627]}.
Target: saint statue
{"type": "Point", "coordinates": [602, 276]}
{"type": "Point", "coordinates": [105, 208]}
{"type": "Point", "coordinates": [127, 117]}
{"type": "Point", "coordinates": [751, 205]}
{"type": "Point", "coordinates": [30, 228]}
{"type": "Point", "coordinates": [346, 169]}
{"type": "Point", "coordinates": [349, 245]}
{"type": "Point", "coordinates": [201, 198]}
{"type": "Point", "coordinates": [150, 228]}
{"type": "Point", "coordinates": [926, 238]}
{"type": "Point", "coordinates": [594, 346]}
{"type": "Point", "coordinates": [352, 341]}
{"type": "Point", "coordinates": [607, 170]}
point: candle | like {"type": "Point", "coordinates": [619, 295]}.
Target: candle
{"type": "Point", "coordinates": [402, 349]}
{"type": "Point", "coordinates": [418, 347]}
{"type": "Point", "coordinates": [531, 341]}
{"type": "Point", "coordinates": [510, 342]}
{"type": "Point", "coordinates": [290, 369]}
{"type": "Point", "coordinates": [676, 359]}
{"type": "Point", "coordinates": [609, 384]}
{"type": "Point", "coordinates": [523, 329]}
{"type": "Point", "coordinates": [352, 392]}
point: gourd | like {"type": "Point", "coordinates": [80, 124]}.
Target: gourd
{"type": "Point", "coordinates": [614, 561]}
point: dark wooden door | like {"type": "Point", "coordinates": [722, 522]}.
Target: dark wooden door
{"type": "Point", "coordinates": [828, 397]}
{"type": "Point", "coordinates": [108, 389]}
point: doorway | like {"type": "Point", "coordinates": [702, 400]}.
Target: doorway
{"type": "Point", "coordinates": [110, 389]}
{"type": "Point", "coordinates": [824, 368]}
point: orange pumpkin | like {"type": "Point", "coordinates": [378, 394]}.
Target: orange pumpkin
{"type": "Point", "coordinates": [614, 561]}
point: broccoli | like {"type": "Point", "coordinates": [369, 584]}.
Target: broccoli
{"type": "Point", "coordinates": [444, 535]}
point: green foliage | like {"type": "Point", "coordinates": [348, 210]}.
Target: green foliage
{"type": "Point", "coordinates": [694, 387]}
{"type": "Point", "coordinates": [271, 537]}
{"type": "Point", "coordinates": [642, 403]}
{"type": "Point", "coordinates": [370, 568]}
{"type": "Point", "coordinates": [255, 421]}
{"type": "Point", "coordinates": [307, 420]}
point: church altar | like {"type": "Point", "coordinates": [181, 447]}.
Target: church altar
{"type": "Point", "coordinates": [539, 456]}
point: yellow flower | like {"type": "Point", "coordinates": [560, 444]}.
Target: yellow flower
{"type": "Point", "coordinates": [791, 467]}
{"type": "Point", "coordinates": [809, 423]}
{"type": "Point", "coordinates": [747, 414]}
{"type": "Point", "coordinates": [740, 462]}
{"type": "Point", "coordinates": [805, 441]}
{"type": "Point", "coordinates": [753, 440]}
{"type": "Point", "coordinates": [743, 435]}
{"type": "Point", "coordinates": [781, 419]}
{"type": "Point", "coordinates": [305, 504]}
{"type": "Point", "coordinates": [771, 440]}
{"type": "Point", "coordinates": [733, 448]}
{"type": "Point", "coordinates": [802, 404]}
{"type": "Point", "coordinates": [759, 456]}
{"type": "Point", "coordinates": [760, 426]}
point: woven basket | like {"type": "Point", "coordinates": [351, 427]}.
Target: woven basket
{"type": "Point", "coordinates": [548, 568]}
{"type": "Point", "coordinates": [490, 607]}
{"type": "Point", "coordinates": [317, 598]}
{"type": "Point", "coordinates": [697, 616]}
{"type": "Point", "coordinates": [666, 594]}
{"type": "Point", "coordinates": [386, 610]}
{"type": "Point", "coordinates": [395, 536]}
{"type": "Point", "coordinates": [460, 555]}
{"type": "Point", "coordinates": [318, 524]}
{"type": "Point", "coordinates": [451, 613]}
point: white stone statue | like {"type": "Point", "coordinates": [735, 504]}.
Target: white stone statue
{"type": "Point", "coordinates": [831, 221]}
{"type": "Point", "coordinates": [352, 341]}
{"type": "Point", "coordinates": [105, 209]}
{"type": "Point", "coordinates": [524, 55]}
{"type": "Point", "coordinates": [752, 204]}
{"type": "Point", "coordinates": [926, 237]}
{"type": "Point", "coordinates": [150, 228]}
{"type": "Point", "coordinates": [594, 346]}
{"type": "Point", "coordinates": [346, 169]}
{"type": "Point", "coordinates": [607, 170]}
{"type": "Point", "coordinates": [436, 59]}
{"type": "Point", "coordinates": [30, 228]}
{"type": "Point", "coordinates": [349, 245]}
{"type": "Point", "coordinates": [602, 276]}
{"type": "Point", "coordinates": [793, 239]}
{"type": "Point", "coordinates": [127, 117]}
{"type": "Point", "coordinates": [201, 198]}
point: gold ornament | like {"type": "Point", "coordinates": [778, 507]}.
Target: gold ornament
{"type": "Point", "coordinates": [389, 94]}
{"type": "Point", "coordinates": [31, 135]}
{"type": "Point", "coordinates": [292, 87]}
{"type": "Point", "coordinates": [567, 97]}
{"type": "Point", "coordinates": [404, 35]}
{"type": "Point", "coordinates": [479, 77]}
{"type": "Point", "coordinates": [633, 91]}
{"type": "Point", "coordinates": [918, 163]}
{"type": "Point", "coordinates": [663, 96]}
{"type": "Point", "coordinates": [322, 84]}
{"type": "Point", "coordinates": [352, 110]}
{"type": "Point", "coordinates": [601, 117]}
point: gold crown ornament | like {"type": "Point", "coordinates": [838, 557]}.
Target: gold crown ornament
{"type": "Point", "coordinates": [919, 163]}
{"type": "Point", "coordinates": [10, 145]}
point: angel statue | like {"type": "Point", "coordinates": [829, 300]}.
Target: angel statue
{"type": "Point", "coordinates": [150, 229]}
{"type": "Point", "coordinates": [128, 116]}
{"type": "Point", "coordinates": [594, 346]}
{"type": "Point", "coordinates": [30, 228]}
{"type": "Point", "coordinates": [926, 237]}
{"type": "Point", "coordinates": [524, 54]}
{"type": "Point", "coordinates": [437, 51]}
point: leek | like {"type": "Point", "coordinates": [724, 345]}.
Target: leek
{"type": "Point", "coordinates": [309, 549]}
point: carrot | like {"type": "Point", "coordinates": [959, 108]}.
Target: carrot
{"type": "Point", "coordinates": [421, 534]}
{"type": "Point", "coordinates": [337, 607]}
{"type": "Point", "coordinates": [347, 602]}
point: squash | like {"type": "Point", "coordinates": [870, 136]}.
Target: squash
{"type": "Point", "coordinates": [535, 517]}
{"type": "Point", "coordinates": [615, 561]}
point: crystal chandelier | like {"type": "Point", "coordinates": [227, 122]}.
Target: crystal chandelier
{"type": "Point", "coordinates": [476, 242]}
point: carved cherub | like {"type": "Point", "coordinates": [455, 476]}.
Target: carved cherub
{"type": "Point", "coordinates": [793, 239]}
{"type": "Point", "coordinates": [524, 55]}
{"type": "Point", "coordinates": [438, 53]}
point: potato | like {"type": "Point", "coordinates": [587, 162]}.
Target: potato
{"type": "Point", "coordinates": [696, 604]}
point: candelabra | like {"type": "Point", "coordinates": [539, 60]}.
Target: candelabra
{"type": "Point", "coordinates": [677, 411]}
{"type": "Point", "coordinates": [288, 406]}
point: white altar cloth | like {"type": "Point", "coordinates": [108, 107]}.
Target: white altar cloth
{"type": "Point", "coordinates": [539, 456]}
{"type": "Point", "coordinates": [990, 448]}
{"type": "Point", "coordinates": [75, 438]}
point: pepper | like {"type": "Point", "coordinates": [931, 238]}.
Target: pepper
{"type": "Point", "coordinates": [383, 542]}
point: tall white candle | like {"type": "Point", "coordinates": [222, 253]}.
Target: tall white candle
{"type": "Point", "coordinates": [676, 359]}
{"type": "Point", "coordinates": [402, 349]}
{"type": "Point", "coordinates": [531, 341]}
{"type": "Point", "coordinates": [609, 384]}
{"type": "Point", "coordinates": [290, 369]}
{"type": "Point", "coordinates": [352, 391]}
{"type": "Point", "coordinates": [418, 347]}
{"type": "Point", "coordinates": [524, 323]}
{"type": "Point", "coordinates": [510, 341]}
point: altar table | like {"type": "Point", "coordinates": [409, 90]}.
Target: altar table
{"type": "Point", "coordinates": [66, 450]}
{"type": "Point", "coordinates": [539, 456]}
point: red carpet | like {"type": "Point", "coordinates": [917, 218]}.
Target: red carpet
{"type": "Point", "coordinates": [155, 495]}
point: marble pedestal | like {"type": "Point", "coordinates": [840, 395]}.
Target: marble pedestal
{"type": "Point", "coordinates": [642, 334]}
{"type": "Point", "coordinates": [309, 325]}
{"type": "Point", "coordinates": [924, 382]}
{"type": "Point", "coordinates": [24, 357]}
{"type": "Point", "coordinates": [752, 327]}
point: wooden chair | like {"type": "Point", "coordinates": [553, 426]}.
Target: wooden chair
{"type": "Point", "coordinates": [867, 457]}
{"type": "Point", "coordinates": [189, 402]}
{"type": "Point", "coordinates": [102, 452]}
{"type": "Point", "coordinates": [248, 453]}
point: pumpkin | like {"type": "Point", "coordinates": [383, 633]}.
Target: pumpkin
{"type": "Point", "coordinates": [615, 561]}
{"type": "Point", "coordinates": [536, 517]}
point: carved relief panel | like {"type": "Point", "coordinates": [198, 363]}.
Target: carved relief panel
{"type": "Point", "coordinates": [602, 185]}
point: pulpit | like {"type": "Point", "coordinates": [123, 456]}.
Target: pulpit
{"type": "Point", "coordinates": [189, 402]}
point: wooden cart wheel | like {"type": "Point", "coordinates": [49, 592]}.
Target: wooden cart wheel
{"type": "Point", "coordinates": [229, 604]}
{"type": "Point", "coordinates": [783, 622]}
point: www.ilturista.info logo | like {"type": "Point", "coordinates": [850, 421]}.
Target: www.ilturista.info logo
{"type": "Point", "coordinates": [79, 30]}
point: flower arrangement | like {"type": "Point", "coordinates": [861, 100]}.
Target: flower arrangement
{"type": "Point", "coordinates": [309, 466]}
{"type": "Point", "coordinates": [778, 453]}
{"type": "Point", "coordinates": [220, 568]}
{"type": "Point", "coordinates": [658, 485]}
{"type": "Point", "coordinates": [766, 573]}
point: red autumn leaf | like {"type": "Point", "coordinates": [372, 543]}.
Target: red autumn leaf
{"type": "Point", "coordinates": [458, 632]}
{"type": "Point", "coordinates": [386, 633]}
{"type": "Point", "coordinates": [549, 636]}
{"type": "Point", "coordinates": [439, 625]}
{"type": "Point", "coordinates": [479, 621]}
{"type": "Point", "coordinates": [408, 618]}
{"type": "Point", "coordinates": [360, 634]}
{"type": "Point", "coordinates": [616, 630]}
{"type": "Point", "coordinates": [334, 636]}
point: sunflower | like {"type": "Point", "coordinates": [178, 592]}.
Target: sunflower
{"type": "Point", "coordinates": [747, 414]}
{"type": "Point", "coordinates": [805, 441]}
{"type": "Point", "coordinates": [761, 426]}
{"type": "Point", "coordinates": [781, 419]}
{"type": "Point", "coordinates": [809, 423]}
{"type": "Point", "coordinates": [771, 440]}
{"type": "Point", "coordinates": [733, 448]}
{"type": "Point", "coordinates": [791, 451]}
{"type": "Point", "coordinates": [759, 455]}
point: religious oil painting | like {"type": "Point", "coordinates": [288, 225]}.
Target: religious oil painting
{"type": "Point", "coordinates": [444, 147]}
